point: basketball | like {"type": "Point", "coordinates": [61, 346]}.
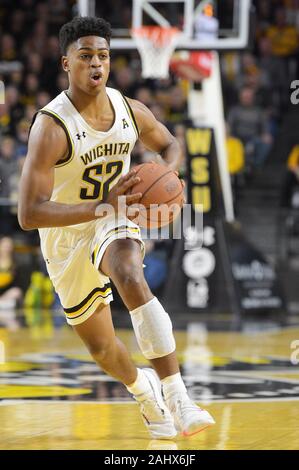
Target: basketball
{"type": "Point", "coordinates": [162, 195]}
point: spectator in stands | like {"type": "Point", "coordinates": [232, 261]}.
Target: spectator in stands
{"type": "Point", "coordinates": [231, 73]}
{"type": "Point", "coordinates": [22, 137]}
{"type": "Point", "coordinates": [145, 95]}
{"type": "Point", "coordinates": [159, 112]}
{"type": "Point", "coordinates": [16, 109]}
{"type": "Point", "coordinates": [251, 77]}
{"type": "Point", "coordinates": [30, 89]}
{"type": "Point", "coordinates": [30, 111]}
{"type": "Point", "coordinates": [264, 15]}
{"type": "Point", "coordinates": [34, 64]}
{"type": "Point", "coordinates": [10, 293]}
{"type": "Point", "coordinates": [162, 89]}
{"type": "Point", "coordinates": [273, 73]}
{"type": "Point", "coordinates": [8, 170]}
{"type": "Point", "coordinates": [43, 98]}
{"type": "Point", "coordinates": [249, 123]}
{"type": "Point", "coordinates": [51, 65]}
{"type": "Point", "coordinates": [292, 12]}
{"type": "Point", "coordinates": [285, 42]}
{"type": "Point", "coordinates": [177, 110]}
{"type": "Point", "coordinates": [57, 12]}
{"type": "Point", "coordinates": [231, 66]}
{"type": "Point", "coordinates": [16, 78]}
{"type": "Point", "coordinates": [7, 48]}
{"type": "Point", "coordinates": [283, 36]}
{"type": "Point", "coordinates": [17, 25]}
{"type": "Point", "coordinates": [249, 65]}
{"type": "Point", "coordinates": [40, 36]}
{"type": "Point", "coordinates": [6, 125]}
{"type": "Point", "coordinates": [61, 82]}
{"type": "Point", "coordinates": [124, 81]}
{"type": "Point", "coordinates": [7, 155]}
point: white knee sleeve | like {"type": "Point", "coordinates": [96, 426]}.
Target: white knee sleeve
{"type": "Point", "coordinates": [153, 329]}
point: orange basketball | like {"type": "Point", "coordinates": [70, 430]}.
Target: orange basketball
{"type": "Point", "coordinates": [162, 195]}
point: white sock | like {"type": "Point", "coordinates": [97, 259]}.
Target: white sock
{"type": "Point", "coordinates": [141, 385]}
{"type": "Point", "coordinates": [173, 385]}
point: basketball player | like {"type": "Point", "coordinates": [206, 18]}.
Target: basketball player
{"type": "Point", "coordinates": [79, 158]}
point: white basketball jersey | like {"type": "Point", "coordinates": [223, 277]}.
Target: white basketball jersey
{"type": "Point", "coordinates": [96, 159]}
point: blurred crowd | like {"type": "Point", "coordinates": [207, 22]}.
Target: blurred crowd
{"type": "Point", "coordinates": [256, 86]}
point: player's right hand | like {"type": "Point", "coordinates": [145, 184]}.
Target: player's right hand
{"type": "Point", "coordinates": [117, 197]}
{"type": "Point", "coordinates": [121, 187]}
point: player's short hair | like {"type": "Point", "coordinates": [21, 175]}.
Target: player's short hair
{"type": "Point", "coordinates": [83, 26]}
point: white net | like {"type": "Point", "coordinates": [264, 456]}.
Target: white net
{"type": "Point", "coordinates": [156, 46]}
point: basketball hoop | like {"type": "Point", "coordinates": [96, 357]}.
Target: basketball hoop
{"type": "Point", "coordinates": [156, 45]}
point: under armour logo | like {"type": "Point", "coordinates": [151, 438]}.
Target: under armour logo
{"type": "Point", "coordinates": [125, 124]}
{"type": "Point", "coordinates": [81, 135]}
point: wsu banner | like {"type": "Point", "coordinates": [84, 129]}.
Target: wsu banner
{"type": "Point", "coordinates": [214, 268]}
{"type": "Point", "coordinates": [197, 280]}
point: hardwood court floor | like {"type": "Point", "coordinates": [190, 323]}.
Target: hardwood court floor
{"type": "Point", "coordinates": [53, 396]}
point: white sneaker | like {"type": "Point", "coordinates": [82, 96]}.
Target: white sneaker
{"type": "Point", "coordinates": [156, 416]}
{"type": "Point", "coordinates": [188, 417]}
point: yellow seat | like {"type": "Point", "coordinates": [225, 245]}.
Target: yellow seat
{"type": "Point", "coordinates": [293, 158]}
{"type": "Point", "coordinates": [235, 154]}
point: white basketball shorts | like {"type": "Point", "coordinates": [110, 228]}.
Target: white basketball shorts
{"type": "Point", "coordinates": [73, 256]}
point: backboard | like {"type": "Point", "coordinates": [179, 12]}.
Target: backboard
{"type": "Point", "coordinates": [205, 24]}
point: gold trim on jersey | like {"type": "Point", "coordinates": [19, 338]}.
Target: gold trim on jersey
{"type": "Point", "coordinates": [122, 228]}
{"type": "Point", "coordinates": [131, 115]}
{"type": "Point", "coordinates": [71, 145]}
{"type": "Point", "coordinates": [79, 310]}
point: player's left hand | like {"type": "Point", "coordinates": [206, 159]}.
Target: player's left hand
{"type": "Point", "coordinates": [158, 159]}
{"type": "Point", "coordinates": [183, 186]}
